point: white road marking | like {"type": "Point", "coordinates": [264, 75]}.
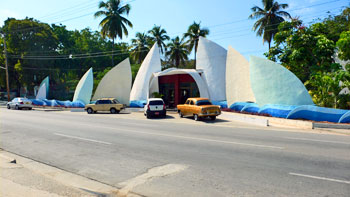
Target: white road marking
{"type": "Point", "coordinates": [159, 171]}
{"type": "Point", "coordinates": [199, 139]}
{"type": "Point", "coordinates": [320, 178]}
{"type": "Point", "coordinates": [306, 139]}
{"type": "Point", "coordinates": [80, 138]}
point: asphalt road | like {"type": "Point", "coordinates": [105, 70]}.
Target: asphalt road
{"type": "Point", "coordinates": [173, 157]}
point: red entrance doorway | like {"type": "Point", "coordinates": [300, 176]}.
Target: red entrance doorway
{"type": "Point", "coordinates": [177, 88]}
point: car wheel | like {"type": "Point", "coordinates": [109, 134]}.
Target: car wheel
{"type": "Point", "coordinates": [181, 114]}
{"type": "Point", "coordinates": [196, 117]}
{"type": "Point", "coordinates": [30, 108]}
{"type": "Point", "coordinates": [16, 107]}
{"type": "Point", "coordinates": [113, 111]}
{"type": "Point", "coordinates": [8, 107]}
{"type": "Point", "coordinates": [89, 111]}
{"type": "Point", "coordinates": [213, 117]}
{"type": "Point", "coordinates": [148, 116]}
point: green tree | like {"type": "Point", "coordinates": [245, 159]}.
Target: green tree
{"type": "Point", "coordinates": [269, 18]}
{"type": "Point", "coordinates": [159, 35]}
{"type": "Point", "coordinates": [114, 24]}
{"type": "Point", "coordinates": [303, 50]}
{"type": "Point", "coordinates": [343, 45]}
{"type": "Point", "coordinates": [193, 33]}
{"type": "Point", "coordinates": [178, 51]}
{"type": "Point", "coordinates": [141, 46]}
{"type": "Point", "coordinates": [28, 41]}
{"type": "Point", "coordinates": [326, 87]}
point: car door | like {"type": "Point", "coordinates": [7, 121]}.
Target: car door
{"type": "Point", "coordinates": [185, 108]}
{"type": "Point", "coordinates": [191, 108]}
{"type": "Point", "coordinates": [107, 105]}
{"type": "Point", "coordinates": [13, 102]}
{"type": "Point", "coordinates": [98, 105]}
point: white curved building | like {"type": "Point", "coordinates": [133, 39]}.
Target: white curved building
{"type": "Point", "coordinates": [83, 91]}
{"type": "Point", "coordinates": [116, 83]}
{"type": "Point", "coordinates": [238, 87]}
{"type": "Point", "coordinates": [211, 58]}
{"type": "Point", "coordinates": [43, 89]}
{"type": "Point", "coordinates": [150, 65]}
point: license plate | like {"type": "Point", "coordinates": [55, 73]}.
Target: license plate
{"type": "Point", "coordinates": [27, 102]}
{"type": "Point", "coordinates": [157, 113]}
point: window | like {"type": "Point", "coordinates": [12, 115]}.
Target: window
{"type": "Point", "coordinates": [156, 103]}
{"type": "Point", "coordinates": [103, 102]}
{"type": "Point", "coordinates": [203, 102]}
{"type": "Point", "coordinates": [191, 103]}
{"type": "Point", "coordinates": [15, 100]}
{"type": "Point", "coordinates": [187, 102]}
{"type": "Point", "coordinates": [115, 101]}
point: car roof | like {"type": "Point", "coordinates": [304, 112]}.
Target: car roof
{"type": "Point", "coordinates": [106, 99]}
{"type": "Point", "coordinates": [198, 99]}
{"type": "Point", "coordinates": [155, 99]}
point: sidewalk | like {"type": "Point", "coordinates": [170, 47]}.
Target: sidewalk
{"type": "Point", "coordinates": [33, 179]}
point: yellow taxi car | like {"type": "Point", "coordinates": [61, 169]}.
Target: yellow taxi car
{"type": "Point", "coordinates": [105, 104]}
{"type": "Point", "coordinates": [198, 108]}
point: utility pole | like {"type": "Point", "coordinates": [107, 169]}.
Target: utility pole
{"type": "Point", "coordinates": [6, 67]}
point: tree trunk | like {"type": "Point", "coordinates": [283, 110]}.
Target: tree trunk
{"type": "Point", "coordinates": [112, 52]}
{"type": "Point", "coordinates": [269, 45]}
{"type": "Point", "coordinates": [195, 54]}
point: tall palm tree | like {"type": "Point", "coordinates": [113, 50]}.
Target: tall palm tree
{"type": "Point", "coordinates": [269, 18]}
{"type": "Point", "coordinates": [178, 51]}
{"type": "Point", "coordinates": [159, 35]}
{"type": "Point", "coordinates": [193, 33]}
{"type": "Point", "coordinates": [114, 24]}
{"type": "Point", "coordinates": [141, 46]}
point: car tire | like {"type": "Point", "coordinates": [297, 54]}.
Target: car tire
{"type": "Point", "coordinates": [196, 117]}
{"type": "Point", "coordinates": [89, 111]}
{"type": "Point", "coordinates": [29, 108]}
{"type": "Point", "coordinates": [16, 107]}
{"type": "Point", "coordinates": [181, 114]}
{"type": "Point", "coordinates": [8, 107]}
{"type": "Point", "coordinates": [213, 117]}
{"type": "Point", "coordinates": [148, 116]}
{"type": "Point", "coordinates": [113, 111]}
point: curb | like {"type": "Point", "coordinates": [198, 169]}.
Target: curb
{"type": "Point", "coordinates": [64, 177]}
{"type": "Point", "coordinates": [261, 121]}
{"type": "Point", "coordinates": [281, 122]}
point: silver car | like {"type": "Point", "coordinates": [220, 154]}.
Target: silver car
{"type": "Point", "coordinates": [20, 103]}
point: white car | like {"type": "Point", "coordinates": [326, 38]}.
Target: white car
{"type": "Point", "coordinates": [154, 107]}
{"type": "Point", "coordinates": [20, 103]}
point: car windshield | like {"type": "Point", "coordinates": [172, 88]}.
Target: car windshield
{"type": "Point", "coordinates": [115, 101]}
{"type": "Point", "coordinates": [156, 102]}
{"type": "Point", "coordinates": [203, 102]}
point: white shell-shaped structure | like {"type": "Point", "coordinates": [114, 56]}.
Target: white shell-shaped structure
{"type": "Point", "coordinates": [211, 58]}
{"type": "Point", "coordinates": [274, 84]}
{"type": "Point", "coordinates": [42, 92]}
{"type": "Point", "coordinates": [83, 91]}
{"type": "Point", "coordinates": [43, 89]}
{"type": "Point", "coordinates": [202, 86]}
{"type": "Point", "coordinates": [238, 88]}
{"type": "Point", "coordinates": [116, 83]}
{"type": "Point", "coordinates": [150, 65]}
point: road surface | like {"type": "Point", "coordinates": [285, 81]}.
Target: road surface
{"type": "Point", "coordinates": [181, 157]}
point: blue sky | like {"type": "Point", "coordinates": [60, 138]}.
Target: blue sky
{"type": "Point", "coordinates": [227, 20]}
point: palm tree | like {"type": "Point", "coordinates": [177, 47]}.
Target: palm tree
{"type": "Point", "coordinates": [178, 52]}
{"type": "Point", "coordinates": [141, 46]}
{"type": "Point", "coordinates": [195, 31]}
{"type": "Point", "coordinates": [114, 24]}
{"type": "Point", "coordinates": [268, 19]}
{"type": "Point", "coordinates": [159, 35]}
